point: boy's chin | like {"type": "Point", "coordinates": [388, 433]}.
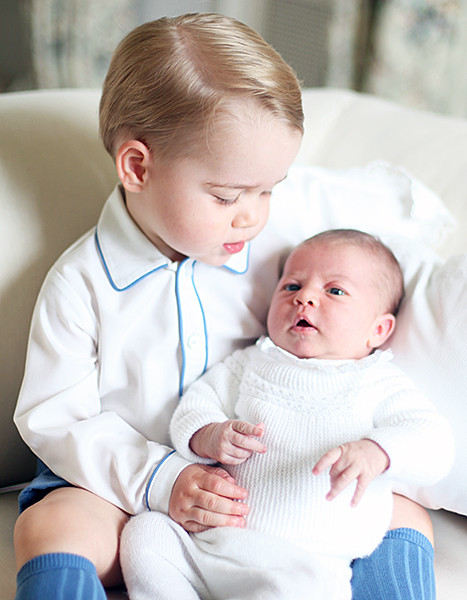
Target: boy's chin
{"type": "Point", "coordinates": [218, 261]}
{"type": "Point", "coordinates": [213, 261]}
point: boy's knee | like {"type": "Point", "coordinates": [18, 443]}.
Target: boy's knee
{"type": "Point", "coordinates": [33, 532]}
{"type": "Point", "coordinates": [43, 528]}
{"type": "Point", "coordinates": [71, 521]}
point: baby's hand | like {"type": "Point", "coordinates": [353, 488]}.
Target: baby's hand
{"type": "Point", "coordinates": [230, 442]}
{"type": "Point", "coordinates": [362, 460]}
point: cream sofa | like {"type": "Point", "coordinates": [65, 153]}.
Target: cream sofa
{"type": "Point", "coordinates": [54, 177]}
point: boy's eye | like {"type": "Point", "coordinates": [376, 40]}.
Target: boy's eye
{"type": "Point", "coordinates": [291, 287]}
{"type": "Point", "coordinates": [335, 291]}
{"type": "Point", "coordinates": [225, 201]}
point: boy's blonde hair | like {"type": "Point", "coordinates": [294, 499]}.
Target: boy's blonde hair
{"type": "Point", "coordinates": [169, 78]}
{"type": "Point", "coordinates": [390, 279]}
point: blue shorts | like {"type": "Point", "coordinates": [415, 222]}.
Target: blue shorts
{"type": "Point", "coordinates": [44, 482]}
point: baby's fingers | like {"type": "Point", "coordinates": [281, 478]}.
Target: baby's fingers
{"type": "Point", "coordinates": [341, 471]}
{"type": "Point", "coordinates": [327, 461]}
{"type": "Point", "coordinates": [362, 484]}
{"type": "Point", "coordinates": [246, 436]}
{"type": "Point", "coordinates": [248, 428]}
{"type": "Point", "coordinates": [340, 479]}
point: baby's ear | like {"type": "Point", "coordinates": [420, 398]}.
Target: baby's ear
{"type": "Point", "coordinates": [382, 329]}
{"type": "Point", "coordinates": [132, 161]}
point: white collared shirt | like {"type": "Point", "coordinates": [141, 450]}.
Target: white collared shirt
{"type": "Point", "coordinates": [118, 332]}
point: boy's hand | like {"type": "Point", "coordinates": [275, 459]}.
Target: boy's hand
{"type": "Point", "coordinates": [230, 442]}
{"type": "Point", "coordinates": [204, 497]}
{"type": "Point", "coordinates": [362, 460]}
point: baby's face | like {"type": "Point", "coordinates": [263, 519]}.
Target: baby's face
{"type": "Point", "coordinates": [327, 303]}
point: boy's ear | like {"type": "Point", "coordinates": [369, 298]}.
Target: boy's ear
{"type": "Point", "coordinates": [132, 162]}
{"type": "Point", "coordinates": [382, 329]}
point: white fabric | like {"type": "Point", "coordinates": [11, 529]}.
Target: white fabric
{"type": "Point", "coordinates": [160, 560]}
{"type": "Point", "coordinates": [308, 407]}
{"type": "Point", "coordinates": [296, 544]}
{"type": "Point", "coordinates": [430, 344]}
{"type": "Point", "coordinates": [379, 198]}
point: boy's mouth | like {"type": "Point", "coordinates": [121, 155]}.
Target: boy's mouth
{"type": "Point", "coordinates": [234, 248]}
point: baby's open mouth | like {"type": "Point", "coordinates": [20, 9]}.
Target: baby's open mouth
{"type": "Point", "coordinates": [303, 323]}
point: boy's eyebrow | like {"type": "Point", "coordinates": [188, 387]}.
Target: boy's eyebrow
{"type": "Point", "coordinates": [239, 186]}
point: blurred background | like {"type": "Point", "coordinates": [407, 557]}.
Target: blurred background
{"type": "Point", "coordinates": [412, 51]}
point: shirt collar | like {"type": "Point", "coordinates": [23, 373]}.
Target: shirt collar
{"type": "Point", "coordinates": [266, 345]}
{"type": "Point", "coordinates": [128, 255]}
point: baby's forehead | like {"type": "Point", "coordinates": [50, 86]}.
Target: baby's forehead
{"type": "Point", "coordinates": [316, 251]}
{"type": "Point", "coordinates": [339, 259]}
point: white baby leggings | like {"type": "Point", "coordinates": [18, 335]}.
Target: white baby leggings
{"type": "Point", "coordinates": [161, 561]}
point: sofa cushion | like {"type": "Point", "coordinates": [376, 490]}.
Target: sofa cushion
{"type": "Point", "coordinates": [54, 178]}
{"type": "Point", "coordinates": [430, 345]}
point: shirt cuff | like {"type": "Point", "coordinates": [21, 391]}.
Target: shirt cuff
{"type": "Point", "coordinates": [161, 482]}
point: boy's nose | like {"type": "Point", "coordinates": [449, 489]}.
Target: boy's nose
{"type": "Point", "coordinates": [247, 216]}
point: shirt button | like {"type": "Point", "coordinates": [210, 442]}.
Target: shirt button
{"type": "Point", "coordinates": [193, 341]}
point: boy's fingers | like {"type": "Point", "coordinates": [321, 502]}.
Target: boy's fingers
{"type": "Point", "coordinates": [216, 503]}
{"type": "Point", "coordinates": [210, 499]}
{"type": "Point", "coordinates": [223, 473]}
{"type": "Point", "coordinates": [213, 511]}
{"type": "Point", "coordinates": [207, 520]}
{"type": "Point", "coordinates": [215, 483]}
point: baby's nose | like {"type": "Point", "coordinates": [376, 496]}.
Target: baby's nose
{"type": "Point", "coordinates": [307, 296]}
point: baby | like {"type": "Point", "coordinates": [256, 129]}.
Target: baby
{"type": "Point", "coordinates": [315, 422]}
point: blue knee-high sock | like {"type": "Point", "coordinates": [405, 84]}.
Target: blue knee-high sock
{"type": "Point", "coordinates": [59, 576]}
{"type": "Point", "coordinates": [401, 568]}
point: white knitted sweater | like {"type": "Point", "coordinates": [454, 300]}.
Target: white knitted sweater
{"type": "Point", "coordinates": [309, 406]}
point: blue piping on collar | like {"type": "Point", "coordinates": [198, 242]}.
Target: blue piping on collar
{"type": "Point", "coordinates": [107, 271]}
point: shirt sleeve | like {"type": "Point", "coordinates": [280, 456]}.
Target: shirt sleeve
{"type": "Point", "coordinates": [210, 399]}
{"type": "Point", "coordinates": [60, 414]}
{"type": "Point", "coordinates": [417, 439]}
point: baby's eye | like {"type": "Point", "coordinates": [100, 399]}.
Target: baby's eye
{"type": "Point", "coordinates": [291, 287]}
{"type": "Point", "coordinates": [335, 291]}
